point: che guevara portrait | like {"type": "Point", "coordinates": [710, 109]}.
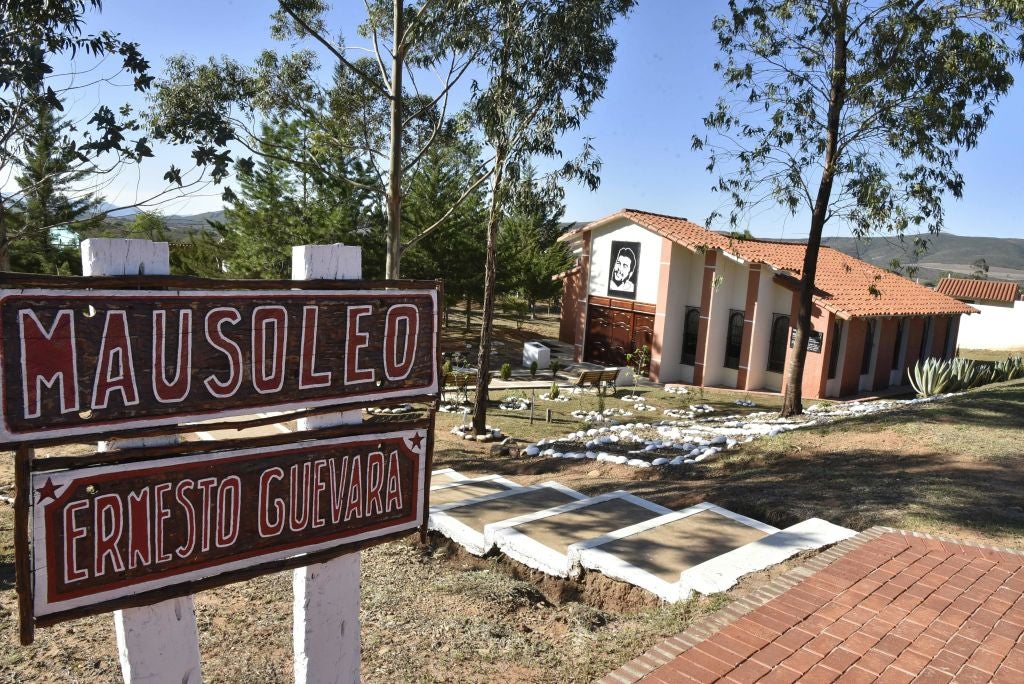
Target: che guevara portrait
{"type": "Point", "coordinates": [623, 269]}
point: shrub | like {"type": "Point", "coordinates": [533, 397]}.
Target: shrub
{"type": "Point", "coordinates": [554, 391]}
{"type": "Point", "coordinates": [556, 366]}
{"type": "Point", "coordinates": [446, 367]}
{"type": "Point", "coordinates": [506, 371]}
{"type": "Point", "coordinates": [533, 369]}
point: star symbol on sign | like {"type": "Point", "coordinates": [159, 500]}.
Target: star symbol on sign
{"type": "Point", "coordinates": [48, 490]}
{"type": "Point", "coordinates": [416, 440]}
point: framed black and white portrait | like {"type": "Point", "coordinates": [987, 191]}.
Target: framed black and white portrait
{"type": "Point", "coordinates": [622, 271]}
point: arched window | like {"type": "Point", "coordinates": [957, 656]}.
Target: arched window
{"type": "Point", "coordinates": [869, 349]}
{"type": "Point", "coordinates": [691, 327]}
{"type": "Point", "coordinates": [734, 339]}
{"type": "Point", "coordinates": [778, 343]}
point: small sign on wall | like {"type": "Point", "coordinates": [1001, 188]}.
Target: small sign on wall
{"type": "Point", "coordinates": [623, 269]}
{"type": "Point", "coordinates": [814, 340]}
{"type": "Point", "coordinates": [104, 534]}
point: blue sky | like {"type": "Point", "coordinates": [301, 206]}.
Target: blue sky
{"type": "Point", "coordinates": [661, 87]}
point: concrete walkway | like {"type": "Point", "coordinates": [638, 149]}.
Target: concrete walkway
{"type": "Point", "coordinates": [886, 605]}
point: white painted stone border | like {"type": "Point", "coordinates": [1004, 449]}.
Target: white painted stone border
{"type": "Point", "coordinates": [588, 555]}
{"type": "Point", "coordinates": [722, 572]}
{"type": "Point", "coordinates": [466, 536]}
{"type": "Point", "coordinates": [538, 556]}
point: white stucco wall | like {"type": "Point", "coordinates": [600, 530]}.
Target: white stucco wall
{"type": "Point", "coordinates": [685, 280]}
{"type": "Point", "coordinates": [996, 327]}
{"type": "Point", "coordinates": [649, 261]}
{"type": "Point", "coordinates": [776, 300]}
{"type": "Point", "coordinates": [731, 294]}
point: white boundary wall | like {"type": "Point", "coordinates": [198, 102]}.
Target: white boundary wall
{"type": "Point", "coordinates": [996, 327]}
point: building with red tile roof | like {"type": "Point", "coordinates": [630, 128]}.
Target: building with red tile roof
{"type": "Point", "coordinates": [980, 291]}
{"type": "Point", "coordinates": [1000, 324]}
{"type": "Point", "coordinates": [717, 309]}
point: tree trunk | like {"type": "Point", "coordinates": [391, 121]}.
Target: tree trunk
{"type": "Point", "coordinates": [792, 403]}
{"type": "Point", "coordinates": [394, 196]}
{"type": "Point", "coordinates": [469, 311]}
{"type": "Point", "coordinates": [487, 324]}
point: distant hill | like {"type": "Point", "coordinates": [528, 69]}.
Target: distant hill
{"type": "Point", "coordinates": [947, 253]}
{"type": "Point", "coordinates": [178, 226]}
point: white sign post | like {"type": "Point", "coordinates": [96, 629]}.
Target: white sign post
{"type": "Point", "coordinates": [156, 643]}
{"type": "Point", "coordinates": [325, 630]}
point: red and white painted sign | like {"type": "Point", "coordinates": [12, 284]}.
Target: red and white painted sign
{"type": "Point", "coordinates": [76, 363]}
{"type": "Point", "coordinates": [109, 532]}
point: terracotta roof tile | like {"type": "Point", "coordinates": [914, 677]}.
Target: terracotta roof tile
{"type": "Point", "coordinates": [846, 286]}
{"type": "Point", "coordinates": [984, 290]}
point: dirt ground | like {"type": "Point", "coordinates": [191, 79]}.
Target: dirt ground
{"type": "Point", "coordinates": [435, 613]}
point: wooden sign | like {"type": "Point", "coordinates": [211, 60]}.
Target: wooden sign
{"type": "Point", "coordinates": [95, 361]}
{"type": "Point", "coordinates": [814, 340]}
{"type": "Point", "coordinates": [110, 535]}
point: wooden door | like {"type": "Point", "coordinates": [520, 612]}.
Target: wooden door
{"type": "Point", "coordinates": [614, 331]}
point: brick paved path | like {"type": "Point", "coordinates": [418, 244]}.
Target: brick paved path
{"type": "Point", "coordinates": [885, 605]}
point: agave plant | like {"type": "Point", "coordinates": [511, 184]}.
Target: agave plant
{"type": "Point", "coordinates": [1016, 364]}
{"type": "Point", "coordinates": [964, 374]}
{"type": "Point", "coordinates": [1011, 368]}
{"type": "Point", "coordinates": [930, 377]}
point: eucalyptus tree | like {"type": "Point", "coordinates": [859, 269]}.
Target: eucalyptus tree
{"type": "Point", "coordinates": [855, 111]}
{"type": "Point", "coordinates": [547, 63]}
{"type": "Point", "coordinates": [377, 109]}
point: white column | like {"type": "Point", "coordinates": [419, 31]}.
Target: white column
{"type": "Point", "coordinates": [156, 643]}
{"type": "Point", "coordinates": [325, 628]}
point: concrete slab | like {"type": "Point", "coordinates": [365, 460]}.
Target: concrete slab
{"type": "Point", "coordinates": [652, 554]}
{"type": "Point", "coordinates": [445, 493]}
{"type": "Point", "coordinates": [542, 539]}
{"type": "Point", "coordinates": [722, 572]}
{"type": "Point", "coordinates": [464, 521]}
{"type": "Point", "coordinates": [446, 475]}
